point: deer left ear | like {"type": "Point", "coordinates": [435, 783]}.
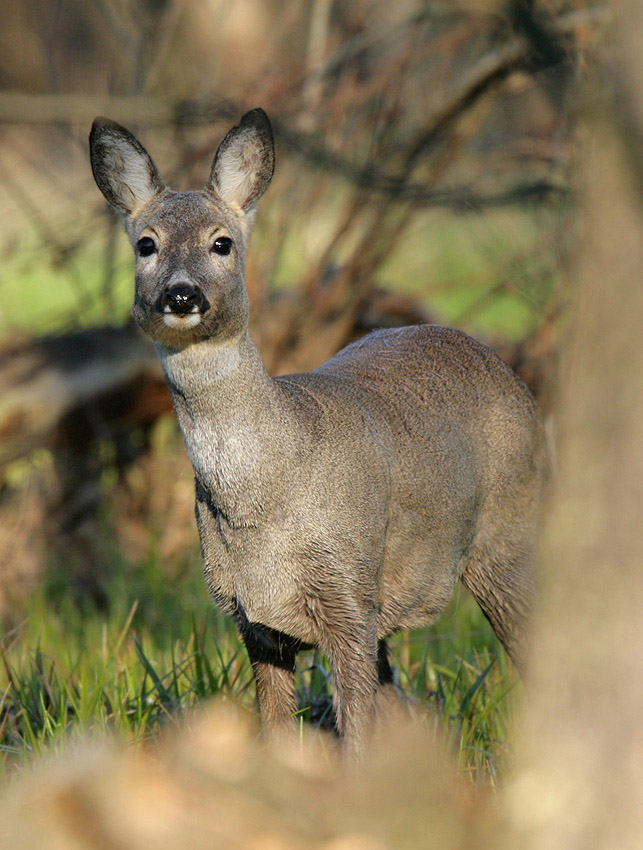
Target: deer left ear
{"type": "Point", "coordinates": [244, 164]}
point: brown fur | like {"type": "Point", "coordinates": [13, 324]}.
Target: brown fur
{"type": "Point", "coordinates": [338, 506]}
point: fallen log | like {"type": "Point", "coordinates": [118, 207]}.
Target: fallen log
{"type": "Point", "coordinates": [109, 376]}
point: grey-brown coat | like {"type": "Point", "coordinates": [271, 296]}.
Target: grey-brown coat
{"type": "Point", "coordinates": [338, 506]}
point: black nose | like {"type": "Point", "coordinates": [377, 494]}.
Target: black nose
{"type": "Point", "coordinates": [183, 298]}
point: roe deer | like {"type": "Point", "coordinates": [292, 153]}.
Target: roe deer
{"type": "Point", "coordinates": [339, 506]}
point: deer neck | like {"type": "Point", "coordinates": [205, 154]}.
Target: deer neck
{"type": "Point", "coordinates": [234, 421]}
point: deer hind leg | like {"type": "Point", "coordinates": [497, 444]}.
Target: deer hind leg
{"type": "Point", "coordinates": [502, 581]}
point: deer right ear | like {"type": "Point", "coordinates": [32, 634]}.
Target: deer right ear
{"type": "Point", "coordinates": [122, 168]}
{"type": "Point", "coordinates": [244, 164]}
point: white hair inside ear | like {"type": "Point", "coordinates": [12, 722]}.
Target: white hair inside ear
{"type": "Point", "coordinates": [234, 180]}
{"type": "Point", "coordinates": [133, 176]}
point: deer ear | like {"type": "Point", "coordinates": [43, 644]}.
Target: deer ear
{"type": "Point", "coordinates": [244, 164]}
{"type": "Point", "coordinates": [122, 168]}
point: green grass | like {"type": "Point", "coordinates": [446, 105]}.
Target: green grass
{"type": "Point", "coordinates": [69, 671]}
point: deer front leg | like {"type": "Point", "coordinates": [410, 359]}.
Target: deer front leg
{"type": "Point", "coordinates": [273, 664]}
{"type": "Point", "coordinates": [353, 656]}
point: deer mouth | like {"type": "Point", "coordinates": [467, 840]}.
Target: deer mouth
{"type": "Point", "coordinates": [182, 320]}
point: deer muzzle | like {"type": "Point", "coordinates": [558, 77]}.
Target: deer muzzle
{"type": "Point", "coordinates": [182, 299]}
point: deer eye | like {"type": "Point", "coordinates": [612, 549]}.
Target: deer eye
{"type": "Point", "coordinates": [222, 245]}
{"type": "Point", "coordinates": [146, 246]}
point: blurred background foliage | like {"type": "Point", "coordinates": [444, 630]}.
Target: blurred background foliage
{"type": "Point", "coordinates": [426, 171]}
